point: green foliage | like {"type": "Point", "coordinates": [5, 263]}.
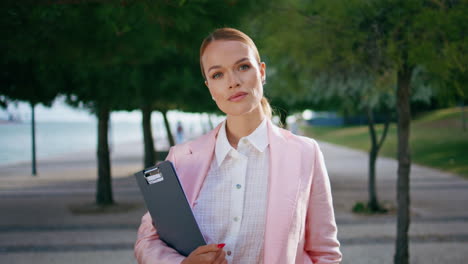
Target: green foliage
{"type": "Point", "coordinates": [362, 208]}
{"type": "Point", "coordinates": [22, 75]}
{"type": "Point", "coordinates": [346, 54]}
{"type": "Point", "coordinates": [24, 81]}
{"type": "Point", "coordinates": [317, 52]}
{"type": "Point", "coordinates": [106, 51]}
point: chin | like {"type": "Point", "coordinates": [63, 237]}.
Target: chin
{"type": "Point", "coordinates": [239, 111]}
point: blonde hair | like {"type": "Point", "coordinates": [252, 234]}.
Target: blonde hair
{"type": "Point", "coordinates": [236, 35]}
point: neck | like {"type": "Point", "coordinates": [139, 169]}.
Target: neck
{"type": "Point", "coordinates": [241, 126]}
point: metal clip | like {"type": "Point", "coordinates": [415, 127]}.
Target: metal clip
{"type": "Point", "coordinates": [153, 175]}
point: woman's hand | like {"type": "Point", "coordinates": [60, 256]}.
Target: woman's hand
{"type": "Point", "coordinates": [209, 254]}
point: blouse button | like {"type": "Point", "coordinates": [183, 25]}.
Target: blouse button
{"type": "Point", "coordinates": [236, 219]}
{"type": "Point", "coordinates": [229, 253]}
{"type": "Point", "coordinates": [238, 186]}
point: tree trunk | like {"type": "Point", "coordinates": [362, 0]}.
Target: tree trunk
{"type": "Point", "coordinates": [404, 164]}
{"type": "Point", "coordinates": [33, 140]}
{"type": "Point", "coordinates": [373, 203]}
{"type": "Point", "coordinates": [168, 128]}
{"type": "Point", "coordinates": [104, 184]}
{"type": "Point", "coordinates": [150, 153]}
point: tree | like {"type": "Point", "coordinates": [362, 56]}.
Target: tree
{"type": "Point", "coordinates": [326, 74]}
{"type": "Point", "coordinates": [152, 34]}
{"type": "Point", "coordinates": [22, 81]}
{"type": "Point", "coordinates": [384, 38]}
{"type": "Point", "coordinates": [93, 43]}
{"type": "Point", "coordinates": [368, 95]}
{"type": "Point", "coordinates": [171, 78]}
{"type": "Point", "coordinates": [94, 46]}
{"type": "Point", "coordinates": [23, 70]}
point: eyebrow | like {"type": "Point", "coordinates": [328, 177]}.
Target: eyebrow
{"type": "Point", "coordinates": [219, 66]}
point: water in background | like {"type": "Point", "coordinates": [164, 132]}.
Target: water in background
{"type": "Point", "coordinates": [55, 138]}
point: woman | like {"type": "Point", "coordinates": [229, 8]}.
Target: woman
{"type": "Point", "coordinates": [259, 193]}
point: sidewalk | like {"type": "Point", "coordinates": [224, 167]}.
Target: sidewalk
{"type": "Point", "coordinates": [439, 219]}
{"type": "Point", "coordinates": [37, 223]}
{"type": "Point", "coordinates": [38, 226]}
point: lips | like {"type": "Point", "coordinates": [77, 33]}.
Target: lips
{"type": "Point", "coordinates": [237, 96]}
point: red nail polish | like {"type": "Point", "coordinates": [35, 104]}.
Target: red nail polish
{"type": "Point", "coordinates": [221, 245]}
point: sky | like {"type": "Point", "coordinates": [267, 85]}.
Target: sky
{"type": "Point", "coordinates": [61, 112]}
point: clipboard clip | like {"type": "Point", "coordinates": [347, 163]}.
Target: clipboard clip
{"type": "Point", "coordinates": [153, 175]}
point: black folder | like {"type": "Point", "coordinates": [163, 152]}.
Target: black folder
{"type": "Point", "coordinates": [169, 208]}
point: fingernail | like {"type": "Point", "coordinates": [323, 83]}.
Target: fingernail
{"type": "Point", "coordinates": [221, 245]}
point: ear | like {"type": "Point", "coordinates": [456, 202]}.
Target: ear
{"type": "Point", "coordinates": [206, 83]}
{"type": "Point", "coordinates": [263, 71]}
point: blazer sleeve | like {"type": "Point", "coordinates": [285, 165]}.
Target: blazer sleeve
{"type": "Point", "coordinates": [149, 249]}
{"type": "Point", "coordinates": [321, 242]}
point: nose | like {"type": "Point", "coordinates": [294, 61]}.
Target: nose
{"type": "Point", "coordinates": [234, 80]}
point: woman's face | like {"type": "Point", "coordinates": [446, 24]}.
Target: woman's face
{"type": "Point", "coordinates": [234, 77]}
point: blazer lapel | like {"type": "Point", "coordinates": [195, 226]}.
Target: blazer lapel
{"type": "Point", "coordinates": [196, 163]}
{"type": "Point", "coordinates": [283, 188]}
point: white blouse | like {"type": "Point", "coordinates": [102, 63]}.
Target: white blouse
{"type": "Point", "coordinates": [231, 206]}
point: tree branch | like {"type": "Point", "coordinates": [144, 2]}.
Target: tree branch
{"type": "Point", "coordinates": [370, 118]}
{"type": "Point", "coordinates": [384, 133]}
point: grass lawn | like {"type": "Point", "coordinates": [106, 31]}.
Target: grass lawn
{"type": "Point", "coordinates": [437, 140]}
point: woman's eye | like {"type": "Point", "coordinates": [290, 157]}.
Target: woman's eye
{"type": "Point", "coordinates": [217, 75]}
{"type": "Point", "coordinates": [244, 67]}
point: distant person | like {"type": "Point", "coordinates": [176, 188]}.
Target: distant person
{"type": "Point", "coordinates": [259, 193]}
{"type": "Point", "coordinates": [295, 125]}
{"type": "Point", "coordinates": [294, 128]}
{"type": "Point", "coordinates": [179, 133]}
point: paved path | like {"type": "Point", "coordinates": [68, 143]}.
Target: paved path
{"type": "Point", "coordinates": [439, 228]}
{"type": "Point", "coordinates": [39, 222]}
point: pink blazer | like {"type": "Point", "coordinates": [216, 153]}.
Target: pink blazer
{"type": "Point", "coordinates": [300, 222]}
